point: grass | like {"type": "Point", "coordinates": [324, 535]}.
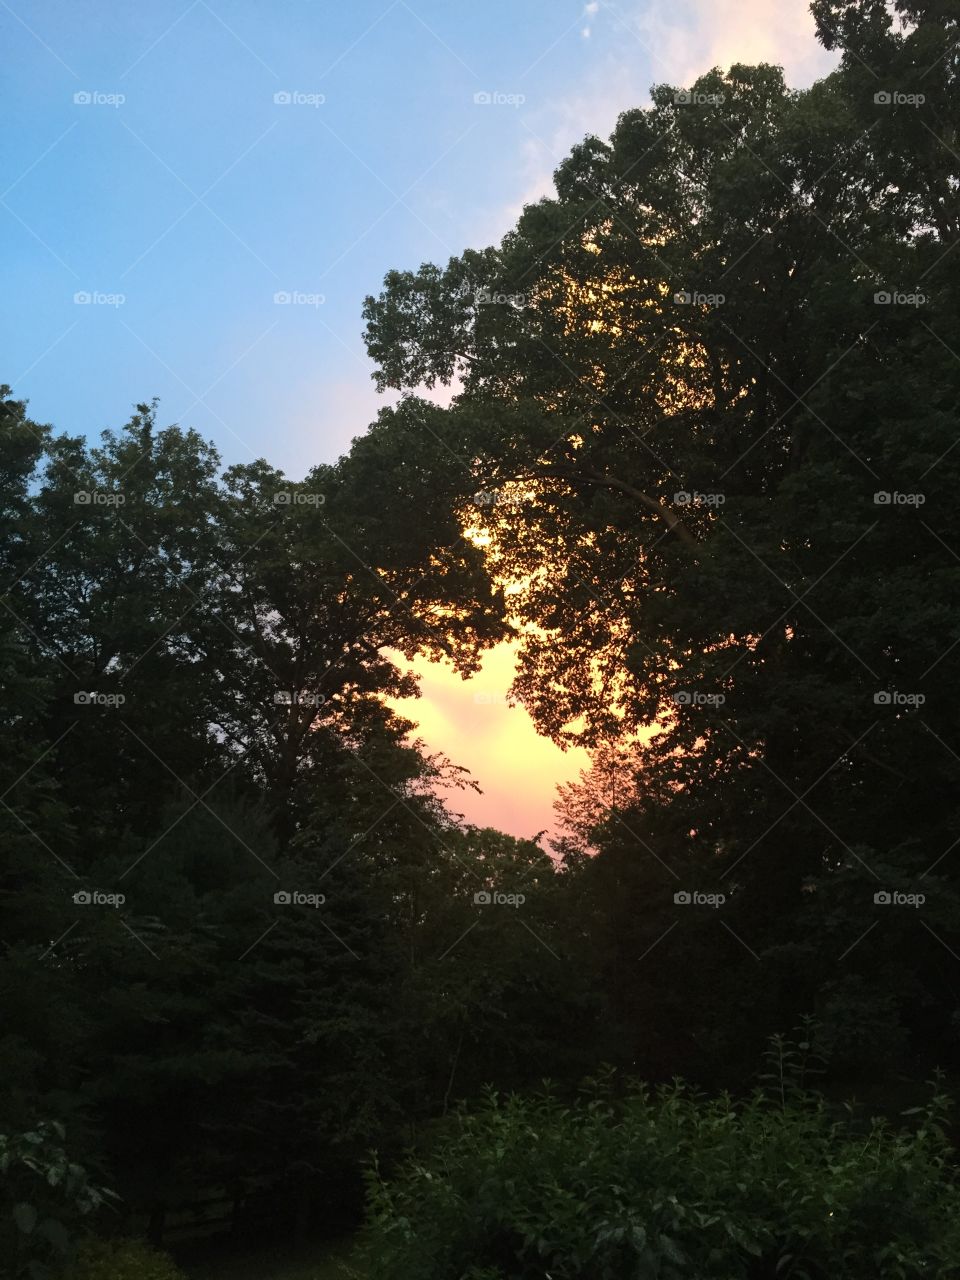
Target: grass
{"type": "Point", "coordinates": [305, 1262]}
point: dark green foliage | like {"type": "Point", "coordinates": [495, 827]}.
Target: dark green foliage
{"type": "Point", "coordinates": [45, 1198]}
{"type": "Point", "coordinates": [121, 1260]}
{"type": "Point", "coordinates": [667, 1184]}
{"type": "Point", "coordinates": [195, 669]}
{"type": "Point", "coordinates": [698, 399]}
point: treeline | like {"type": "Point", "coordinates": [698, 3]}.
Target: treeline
{"type": "Point", "coordinates": [241, 940]}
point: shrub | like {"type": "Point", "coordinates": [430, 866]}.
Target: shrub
{"type": "Point", "coordinates": [121, 1260]}
{"type": "Point", "coordinates": [667, 1184]}
{"type": "Point", "coordinates": [44, 1196]}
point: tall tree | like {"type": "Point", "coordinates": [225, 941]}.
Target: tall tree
{"type": "Point", "coordinates": [712, 384]}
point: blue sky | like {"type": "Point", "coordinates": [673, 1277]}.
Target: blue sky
{"type": "Point", "coordinates": [198, 197]}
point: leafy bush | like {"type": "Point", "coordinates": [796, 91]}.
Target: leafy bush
{"type": "Point", "coordinates": [121, 1260]}
{"type": "Point", "coordinates": [43, 1198]}
{"type": "Point", "coordinates": [666, 1184]}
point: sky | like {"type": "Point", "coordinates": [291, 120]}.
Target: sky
{"type": "Point", "coordinates": [199, 195]}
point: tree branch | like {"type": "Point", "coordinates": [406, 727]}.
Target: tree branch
{"type": "Point", "coordinates": [669, 517]}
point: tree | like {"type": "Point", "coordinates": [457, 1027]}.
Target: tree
{"type": "Point", "coordinates": [196, 669]}
{"type": "Point", "coordinates": [724, 463]}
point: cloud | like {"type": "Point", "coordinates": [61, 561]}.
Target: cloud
{"type": "Point", "coordinates": [657, 41]}
{"type": "Point", "coordinates": [684, 38]}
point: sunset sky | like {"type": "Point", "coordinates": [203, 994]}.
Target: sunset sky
{"type": "Point", "coordinates": [214, 155]}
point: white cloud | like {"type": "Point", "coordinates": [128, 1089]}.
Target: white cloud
{"type": "Point", "coordinates": [657, 41]}
{"type": "Point", "coordinates": [684, 38]}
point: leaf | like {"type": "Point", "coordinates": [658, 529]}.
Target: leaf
{"type": "Point", "coordinates": [25, 1216]}
{"type": "Point", "coordinates": [54, 1231]}
{"type": "Point", "coordinates": [672, 1251]}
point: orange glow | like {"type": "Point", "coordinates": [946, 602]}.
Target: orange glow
{"type": "Point", "coordinates": [471, 722]}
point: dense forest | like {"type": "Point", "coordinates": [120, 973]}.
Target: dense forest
{"type": "Point", "coordinates": [700, 462]}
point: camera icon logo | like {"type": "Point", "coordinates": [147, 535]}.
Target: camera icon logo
{"type": "Point", "coordinates": [882, 498]}
{"type": "Point", "coordinates": [883, 298]}
{"type": "Point", "coordinates": [82, 699]}
{"type": "Point", "coordinates": [83, 897]}
{"type": "Point", "coordinates": [682, 498]}
{"type": "Point", "coordinates": [683, 96]}
{"type": "Point", "coordinates": [482, 99]}
{"type": "Point", "coordinates": [482, 899]}
{"type": "Point", "coordinates": [281, 499]}
{"type": "Point", "coordinates": [82, 99]}
{"type": "Point", "coordinates": [82, 498]}
{"type": "Point", "coordinates": [682, 898]}
{"type": "Point", "coordinates": [883, 698]}
{"type": "Point", "coordinates": [282, 898]}
{"type": "Point", "coordinates": [882, 898]}
{"type": "Point", "coordinates": [283, 98]}
{"type": "Point", "coordinates": [683, 297]}
{"type": "Point", "coordinates": [883, 98]}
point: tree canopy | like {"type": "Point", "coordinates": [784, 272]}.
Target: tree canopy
{"type": "Point", "coordinates": [716, 375]}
